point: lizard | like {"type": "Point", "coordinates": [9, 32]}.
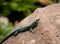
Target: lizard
{"type": "Point", "coordinates": [22, 29]}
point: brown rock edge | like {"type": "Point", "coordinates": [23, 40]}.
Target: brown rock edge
{"type": "Point", "coordinates": [47, 31]}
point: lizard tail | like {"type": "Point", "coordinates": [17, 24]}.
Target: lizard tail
{"type": "Point", "coordinates": [6, 38]}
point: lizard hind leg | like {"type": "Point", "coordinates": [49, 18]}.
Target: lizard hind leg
{"type": "Point", "coordinates": [16, 33]}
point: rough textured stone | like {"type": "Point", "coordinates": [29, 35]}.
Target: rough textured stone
{"type": "Point", "coordinates": [47, 31]}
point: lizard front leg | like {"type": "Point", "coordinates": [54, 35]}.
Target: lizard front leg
{"type": "Point", "coordinates": [31, 30]}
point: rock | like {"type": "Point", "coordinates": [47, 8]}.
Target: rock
{"type": "Point", "coordinates": [46, 32]}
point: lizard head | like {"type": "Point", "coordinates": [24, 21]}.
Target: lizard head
{"type": "Point", "coordinates": [37, 20]}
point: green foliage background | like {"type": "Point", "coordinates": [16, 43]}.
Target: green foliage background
{"type": "Point", "coordinates": [4, 30]}
{"type": "Point", "coordinates": [27, 6]}
{"type": "Point", "coordinates": [18, 5]}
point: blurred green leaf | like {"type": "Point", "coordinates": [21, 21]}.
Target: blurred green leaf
{"type": "Point", "coordinates": [4, 31]}
{"type": "Point", "coordinates": [1, 37]}
{"type": "Point", "coordinates": [17, 5]}
{"type": "Point", "coordinates": [13, 5]}
{"type": "Point", "coordinates": [59, 0]}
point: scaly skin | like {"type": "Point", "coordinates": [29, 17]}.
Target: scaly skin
{"type": "Point", "coordinates": [22, 29]}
